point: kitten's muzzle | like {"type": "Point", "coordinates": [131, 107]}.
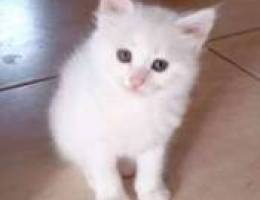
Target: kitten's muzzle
{"type": "Point", "coordinates": [138, 78]}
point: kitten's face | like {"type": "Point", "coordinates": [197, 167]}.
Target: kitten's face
{"type": "Point", "coordinates": [148, 49]}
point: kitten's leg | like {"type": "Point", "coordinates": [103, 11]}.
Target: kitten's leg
{"type": "Point", "coordinates": [104, 177]}
{"type": "Point", "coordinates": [149, 181]}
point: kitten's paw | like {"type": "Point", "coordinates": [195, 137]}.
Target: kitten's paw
{"type": "Point", "coordinates": [162, 194]}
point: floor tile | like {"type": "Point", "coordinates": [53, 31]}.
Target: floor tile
{"type": "Point", "coordinates": [217, 154]}
{"type": "Point", "coordinates": [27, 157]}
{"type": "Point", "coordinates": [22, 179]}
{"type": "Point", "coordinates": [65, 184]}
{"type": "Point", "coordinates": [36, 35]}
{"type": "Point", "coordinates": [23, 120]}
{"type": "Point", "coordinates": [243, 49]}
{"type": "Point", "coordinates": [236, 16]}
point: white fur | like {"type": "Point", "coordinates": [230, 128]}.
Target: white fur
{"type": "Point", "coordinates": [96, 118]}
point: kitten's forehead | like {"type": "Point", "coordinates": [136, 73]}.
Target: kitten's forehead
{"type": "Point", "coordinates": [156, 14]}
{"type": "Point", "coordinates": [147, 25]}
{"type": "Point", "coordinates": [150, 17]}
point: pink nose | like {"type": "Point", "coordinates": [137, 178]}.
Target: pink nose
{"type": "Point", "coordinates": [138, 78]}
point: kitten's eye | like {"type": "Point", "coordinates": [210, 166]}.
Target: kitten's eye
{"type": "Point", "coordinates": [124, 55]}
{"type": "Point", "coordinates": [159, 65]}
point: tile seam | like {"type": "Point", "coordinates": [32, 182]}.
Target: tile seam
{"type": "Point", "coordinates": [234, 64]}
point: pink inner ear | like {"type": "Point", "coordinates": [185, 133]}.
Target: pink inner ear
{"type": "Point", "coordinates": [198, 24]}
{"type": "Point", "coordinates": [192, 30]}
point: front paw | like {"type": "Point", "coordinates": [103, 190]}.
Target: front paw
{"type": "Point", "coordinates": [160, 194]}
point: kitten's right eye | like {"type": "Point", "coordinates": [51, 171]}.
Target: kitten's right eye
{"type": "Point", "coordinates": [124, 55]}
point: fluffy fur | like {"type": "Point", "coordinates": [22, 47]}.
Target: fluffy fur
{"type": "Point", "coordinates": [96, 116]}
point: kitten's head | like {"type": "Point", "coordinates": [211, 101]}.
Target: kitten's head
{"type": "Point", "coordinates": [147, 49]}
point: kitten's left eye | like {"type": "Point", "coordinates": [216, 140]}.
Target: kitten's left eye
{"type": "Point", "coordinates": [124, 55]}
{"type": "Point", "coordinates": [159, 65]}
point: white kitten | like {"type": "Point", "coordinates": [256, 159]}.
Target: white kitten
{"type": "Point", "coordinates": [124, 92]}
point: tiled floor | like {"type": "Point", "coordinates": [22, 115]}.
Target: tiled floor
{"type": "Point", "coordinates": [217, 154]}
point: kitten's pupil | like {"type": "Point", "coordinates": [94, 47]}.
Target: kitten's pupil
{"type": "Point", "coordinates": [124, 55]}
{"type": "Point", "coordinates": [159, 65]}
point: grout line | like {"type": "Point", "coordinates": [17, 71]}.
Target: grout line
{"type": "Point", "coordinates": [234, 34]}
{"type": "Point", "coordinates": [27, 83]}
{"type": "Point", "coordinates": [252, 75]}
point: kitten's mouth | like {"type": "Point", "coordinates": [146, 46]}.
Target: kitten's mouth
{"type": "Point", "coordinates": [135, 88]}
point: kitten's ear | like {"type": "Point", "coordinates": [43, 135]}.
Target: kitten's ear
{"type": "Point", "coordinates": [198, 25]}
{"type": "Point", "coordinates": [115, 6]}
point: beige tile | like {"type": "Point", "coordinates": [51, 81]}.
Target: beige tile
{"type": "Point", "coordinates": [23, 120]}
{"type": "Point", "coordinates": [217, 154]}
{"type": "Point", "coordinates": [41, 178]}
{"type": "Point", "coordinates": [243, 49]}
{"type": "Point", "coordinates": [65, 184]}
{"type": "Point", "coordinates": [22, 178]}
{"type": "Point", "coordinates": [236, 16]}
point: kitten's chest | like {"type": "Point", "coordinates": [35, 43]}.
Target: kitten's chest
{"type": "Point", "coordinates": [130, 116]}
{"type": "Point", "coordinates": [131, 125]}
